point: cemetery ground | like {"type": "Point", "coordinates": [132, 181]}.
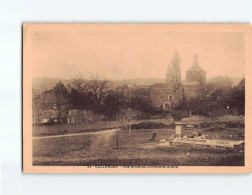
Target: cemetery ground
{"type": "Point", "coordinates": [99, 147]}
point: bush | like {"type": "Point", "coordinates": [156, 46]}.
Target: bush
{"type": "Point", "coordinates": [235, 124]}
{"type": "Point", "coordinates": [151, 125]}
{"type": "Point", "coordinates": [216, 126]}
{"type": "Point", "coordinates": [178, 115]}
{"type": "Point", "coordinates": [217, 123]}
{"type": "Point", "coordinates": [195, 119]}
{"type": "Point", "coordinates": [230, 118]}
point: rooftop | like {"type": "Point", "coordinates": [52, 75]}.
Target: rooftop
{"type": "Point", "coordinates": [186, 83]}
{"type": "Point", "coordinates": [195, 67]}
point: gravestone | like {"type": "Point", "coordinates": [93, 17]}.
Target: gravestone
{"type": "Point", "coordinates": [153, 138]}
{"type": "Point", "coordinates": [179, 130]}
{"type": "Point", "coordinates": [169, 117]}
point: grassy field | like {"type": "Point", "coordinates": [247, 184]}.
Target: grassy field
{"type": "Point", "coordinates": [83, 127]}
{"type": "Point", "coordinates": [209, 124]}
{"type": "Point", "coordinates": [100, 149]}
{"type": "Point", "coordinates": [72, 128]}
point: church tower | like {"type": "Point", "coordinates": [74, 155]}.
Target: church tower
{"type": "Point", "coordinates": [174, 71]}
{"type": "Point", "coordinates": [196, 73]}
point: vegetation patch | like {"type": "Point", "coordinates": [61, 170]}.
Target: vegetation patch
{"type": "Point", "coordinates": [151, 125]}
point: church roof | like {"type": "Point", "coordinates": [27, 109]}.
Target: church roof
{"type": "Point", "coordinates": [190, 83]}
{"type": "Point", "coordinates": [160, 84]}
{"type": "Point", "coordinates": [195, 68]}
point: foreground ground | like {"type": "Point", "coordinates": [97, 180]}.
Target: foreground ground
{"type": "Point", "coordinates": [100, 148]}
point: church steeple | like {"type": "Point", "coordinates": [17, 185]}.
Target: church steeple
{"type": "Point", "coordinates": [176, 60]}
{"type": "Point", "coordinates": [174, 71]}
{"type": "Point", "coordinates": [195, 65]}
{"type": "Point", "coordinates": [195, 60]}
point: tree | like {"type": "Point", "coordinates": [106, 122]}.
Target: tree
{"type": "Point", "coordinates": [124, 117]}
{"type": "Point", "coordinates": [221, 99]}
{"type": "Point", "coordinates": [57, 98]}
{"type": "Point", "coordinates": [237, 98]}
{"type": "Point", "coordinates": [113, 103]}
{"type": "Point", "coordinates": [60, 100]}
{"type": "Point", "coordinates": [97, 90]}
{"type": "Point", "coordinates": [223, 83]}
{"type": "Point", "coordinates": [80, 100]}
{"type": "Point", "coordinates": [117, 105]}
{"type": "Point", "coordinates": [41, 103]}
{"type": "Point", "coordinates": [78, 85]}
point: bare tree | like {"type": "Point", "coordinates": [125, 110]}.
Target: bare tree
{"type": "Point", "coordinates": [124, 111]}
{"type": "Point", "coordinates": [40, 104]}
{"type": "Point", "coordinates": [97, 89]}
{"type": "Point", "coordinates": [123, 118]}
{"type": "Point", "coordinates": [78, 85]}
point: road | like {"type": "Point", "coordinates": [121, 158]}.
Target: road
{"type": "Point", "coordinates": [102, 132]}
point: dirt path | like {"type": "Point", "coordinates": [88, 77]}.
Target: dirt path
{"type": "Point", "coordinates": [103, 132]}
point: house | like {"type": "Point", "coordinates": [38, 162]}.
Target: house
{"type": "Point", "coordinates": [78, 116]}
{"type": "Point", "coordinates": [46, 116]}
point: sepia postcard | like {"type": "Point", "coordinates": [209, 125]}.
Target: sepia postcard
{"type": "Point", "coordinates": [137, 98]}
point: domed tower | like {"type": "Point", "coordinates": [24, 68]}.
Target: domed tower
{"type": "Point", "coordinates": [174, 71]}
{"type": "Point", "coordinates": [196, 73]}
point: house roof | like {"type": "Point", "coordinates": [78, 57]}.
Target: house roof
{"type": "Point", "coordinates": [60, 87]}
{"type": "Point", "coordinates": [143, 86]}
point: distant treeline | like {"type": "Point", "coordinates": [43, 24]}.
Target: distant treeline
{"type": "Point", "coordinates": [219, 97]}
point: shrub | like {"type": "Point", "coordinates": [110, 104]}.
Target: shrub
{"type": "Point", "coordinates": [230, 118]}
{"type": "Point", "coordinates": [151, 125]}
{"type": "Point", "coordinates": [195, 119]}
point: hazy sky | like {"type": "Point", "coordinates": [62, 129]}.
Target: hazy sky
{"type": "Point", "coordinates": [133, 53]}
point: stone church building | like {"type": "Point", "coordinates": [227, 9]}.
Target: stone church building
{"type": "Point", "coordinates": [165, 95]}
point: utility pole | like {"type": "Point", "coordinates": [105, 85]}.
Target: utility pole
{"type": "Point", "coordinates": [129, 99]}
{"type": "Point", "coordinates": [129, 127]}
{"type": "Point", "coordinates": [117, 130]}
{"type": "Point", "coordinates": [129, 121]}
